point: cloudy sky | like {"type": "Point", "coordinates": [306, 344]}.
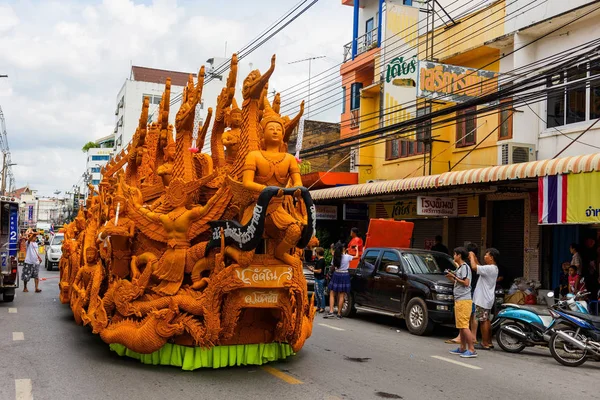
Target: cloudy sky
{"type": "Point", "coordinates": [67, 60]}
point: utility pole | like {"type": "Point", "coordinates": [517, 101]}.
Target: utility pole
{"type": "Point", "coordinates": [310, 59]}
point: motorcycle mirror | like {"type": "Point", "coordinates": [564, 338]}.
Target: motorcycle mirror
{"type": "Point", "coordinates": [550, 294]}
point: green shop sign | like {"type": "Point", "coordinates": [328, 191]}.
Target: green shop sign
{"type": "Point", "coordinates": [399, 68]}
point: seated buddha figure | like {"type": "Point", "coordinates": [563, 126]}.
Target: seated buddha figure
{"type": "Point", "coordinates": [272, 167]}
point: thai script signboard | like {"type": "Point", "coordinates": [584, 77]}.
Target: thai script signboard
{"type": "Point", "coordinates": [453, 83]}
{"type": "Point", "coordinates": [437, 206]}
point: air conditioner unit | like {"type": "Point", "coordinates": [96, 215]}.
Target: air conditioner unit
{"type": "Point", "coordinates": [375, 180]}
{"type": "Point", "coordinates": [515, 153]}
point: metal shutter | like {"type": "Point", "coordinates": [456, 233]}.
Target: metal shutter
{"type": "Point", "coordinates": [533, 252]}
{"type": "Point", "coordinates": [508, 223]}
{"type": "Point", "coordinates": [465, 230]}
{"type": "Point", "coordinates": [426, 229]}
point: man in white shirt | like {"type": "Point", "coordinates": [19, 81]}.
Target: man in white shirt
{"type": "Point", "coordinates": [32, 263]}
{"type": "Point", "coordinates": [483, 297]}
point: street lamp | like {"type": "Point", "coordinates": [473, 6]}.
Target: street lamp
{"type": "Point", "coordinates": [3, 173]}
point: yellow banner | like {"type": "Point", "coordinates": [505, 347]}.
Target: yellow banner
{"type": "Point", "coordinates": [583, 198]}
{"type": "Point", "coordinates": [468, 206]}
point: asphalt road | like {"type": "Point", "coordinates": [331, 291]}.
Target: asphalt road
{"type": "Point", "coordinates": [46, 356]}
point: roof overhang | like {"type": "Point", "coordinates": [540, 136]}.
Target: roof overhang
{"type": "Point", "coordinates": [319, 180]}
{"type": "Point", "coordinates": [500, 173]}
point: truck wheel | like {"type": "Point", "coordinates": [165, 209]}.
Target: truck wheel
{"type": "Point", "coordinates": [348, 310]}
{"type": "Point", "coordinates": [8, 298]}
{"type": "Point", "coordinates": [417, 317]}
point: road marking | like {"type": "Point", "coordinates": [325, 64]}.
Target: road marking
{"type": "Point", "coordinates": [455, 362]}
{"type": "Point", "coordinates": [18, 336]}
{"type": "Point", "coordinates": [12, 310]}
{"type": "Point", "coordinates": [23, 389]}
{"type": "Point", "coordinates": [335, 328]}
{"type": "Point", "coordinates": [281, 375]}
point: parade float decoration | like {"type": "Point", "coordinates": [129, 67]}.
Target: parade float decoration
{"type": "Point", "coordinates": [189, 259]}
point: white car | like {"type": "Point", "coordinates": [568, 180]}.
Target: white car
{"type": "Point", "coordinates": [54, 251]}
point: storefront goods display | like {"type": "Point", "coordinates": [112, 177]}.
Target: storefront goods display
{"type": "Point", "coordinates": [189, 259]}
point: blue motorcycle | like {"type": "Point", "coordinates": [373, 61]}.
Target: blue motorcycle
{"type": "Point", "coordinates": [578, 338]}
{"type": "Point", "coordinates": [521, 326]}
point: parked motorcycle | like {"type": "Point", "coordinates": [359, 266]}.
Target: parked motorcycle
{"type": "Point", "coordinates": [522, 326]}
{"type": "Point", "coordinates": [578, 338]}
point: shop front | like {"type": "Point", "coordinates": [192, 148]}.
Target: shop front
{"type": "Point", "coordinates": [569, 212]}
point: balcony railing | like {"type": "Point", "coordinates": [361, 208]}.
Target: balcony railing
{"type": "Point", "coordinates": [364, 43]}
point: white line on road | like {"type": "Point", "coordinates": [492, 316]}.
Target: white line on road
{"type": "Point", "coordinates": [12, 310]}
{"type": "Point", "coordinates": [335, 328]}
{"type": "Point", "coordinates": [23, 389]}
{"type": "Point", "coordinates": [18, 336]}
{"type": "Point", "coordinates": [455, 362]}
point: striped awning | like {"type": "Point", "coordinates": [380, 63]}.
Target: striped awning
{"type": "Point", "coordinates": [534, 169]}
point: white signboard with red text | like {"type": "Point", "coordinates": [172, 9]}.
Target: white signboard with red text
{"type": "Point", "coordinates": [437, 206]}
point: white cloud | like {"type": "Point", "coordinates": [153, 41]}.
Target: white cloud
{"type": "Point", "coordinates": [8, 18]}
{"type": "Point", "coordinates": [67, 60]}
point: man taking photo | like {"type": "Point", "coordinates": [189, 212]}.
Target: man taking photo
{"type": "Point", "coordinates": [483, 297]}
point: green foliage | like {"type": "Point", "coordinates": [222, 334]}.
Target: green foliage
{"type": "Point", "coordinates": [328, 256]}
{"type": "Point", "coordinates": [305, 167]}
{"type": "Point", "coordinates": [89, 145]}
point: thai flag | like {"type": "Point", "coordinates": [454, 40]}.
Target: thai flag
{"type": "Point", "coordinates": [552, 196]}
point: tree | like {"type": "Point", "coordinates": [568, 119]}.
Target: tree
{"type": "Point", "coordinates": [89, 145]}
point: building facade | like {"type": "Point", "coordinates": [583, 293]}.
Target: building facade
{"type": "Point", "coordinates": [483, 162]}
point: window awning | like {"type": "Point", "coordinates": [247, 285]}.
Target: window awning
{"type": "Point", "coordinates": [534, 169]}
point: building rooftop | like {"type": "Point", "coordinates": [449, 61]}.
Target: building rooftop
{"type": "Point", "coordinates": [154, 75]}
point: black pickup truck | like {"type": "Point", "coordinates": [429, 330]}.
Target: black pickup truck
{"type": "Point", "coordinates": [403, 283]}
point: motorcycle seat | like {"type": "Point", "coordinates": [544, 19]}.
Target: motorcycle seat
{"type": "Point", "coordinates": [588, 317]}
{"type": "Point", "coordinates": [539, 310]}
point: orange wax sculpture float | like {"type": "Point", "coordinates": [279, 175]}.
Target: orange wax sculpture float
{"type": "Point", "coordinates": [189, 259]}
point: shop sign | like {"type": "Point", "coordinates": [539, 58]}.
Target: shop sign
{"type": "Point", "coordinates": [569, 199]}
{"type": "Point", "coordinates": [437, 206]}
{"type": "Point", "coordinates": [30, 213]}
{"type": "Point", "coordinates": [467, 206]}
{"type": "Point", "coordinates": [327, 212]}
{"type": "Point", "coordinates": [401, 71]}
{"type": "Point", "coordinates": [356, 212]}
{"type": "Point", "coordinates": [454, 83]}
{"type": "Point", "coordinates": [13, 229]}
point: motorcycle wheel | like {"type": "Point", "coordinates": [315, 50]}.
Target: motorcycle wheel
{"type": "Point", "coordinates": [564, 352]}
{"type": "Point", "coordinates": [507, 342]}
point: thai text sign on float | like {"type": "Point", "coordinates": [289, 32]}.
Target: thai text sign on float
{"type": "Point", "coordinates": [453, 83]}
{"type": "Point", "coordinates": [437, 206]}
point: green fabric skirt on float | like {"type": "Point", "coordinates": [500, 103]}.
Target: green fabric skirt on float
{"type": "Point", "coordinates": [191, 358]}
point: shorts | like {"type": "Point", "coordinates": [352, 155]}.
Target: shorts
{"type": "Point", "coordinates": [482, 314]}
{"type": "Point", "coordinates": [462, 313]}
{"type": "Point", "coordinates": [30, 271]}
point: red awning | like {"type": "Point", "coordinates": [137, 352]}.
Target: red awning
{"type": "Point", "coordinates": [321, 180]}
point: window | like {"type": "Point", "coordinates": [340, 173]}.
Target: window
{"type": "Point", "coordinates": [421, 263]}
{"type": "Point", "coordinates": [579, 102]}
{"type": "Point", "coordinates": [343, 99]}
{"type": "Point", "coordinates": [389, 258]}
{"type": "Point", "coordinates": [100, 158]}
{"type": "Point", "coordinates": [369, 26]}
{"type": "Point", "coordinates": [505, 120]}
{"type": "Point", "coordinates": [153, 99]}
{"type": "Point", "coordinates": [399, 148]}
{"type": "Point", "coordinates": [368, 261]}
{"type": "Point", "coordinates": [466, 127]}
{"type": "Point", "coordinates": [407, 2]}
{"type": "Point", "coordinates": [355, 95]}
{"type": "Point", "coordinates": [96, 182]}
{"type": "Point", "coordinates": [95, 170]}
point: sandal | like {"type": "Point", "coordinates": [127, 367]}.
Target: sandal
{"type": "Point", "coordinates": [38, 290]}
{"type": "Point", "coordinates": [25, 290]}
{"type": "Point", "coordinates": [451, 341]}
{"type": "Point", "coordinates": [482, 347]}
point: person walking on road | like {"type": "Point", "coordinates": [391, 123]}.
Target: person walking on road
{"type": "Point", "coordinates": [462, 303]}
{"type": "Point", "coordinates": [340, 282]}
{"type": "Point", "coordinates": [319, 273]}
{"type": "Point", "coordinates": [32, 264]}
{"type": "Point", "coordinates": [483, 297]}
